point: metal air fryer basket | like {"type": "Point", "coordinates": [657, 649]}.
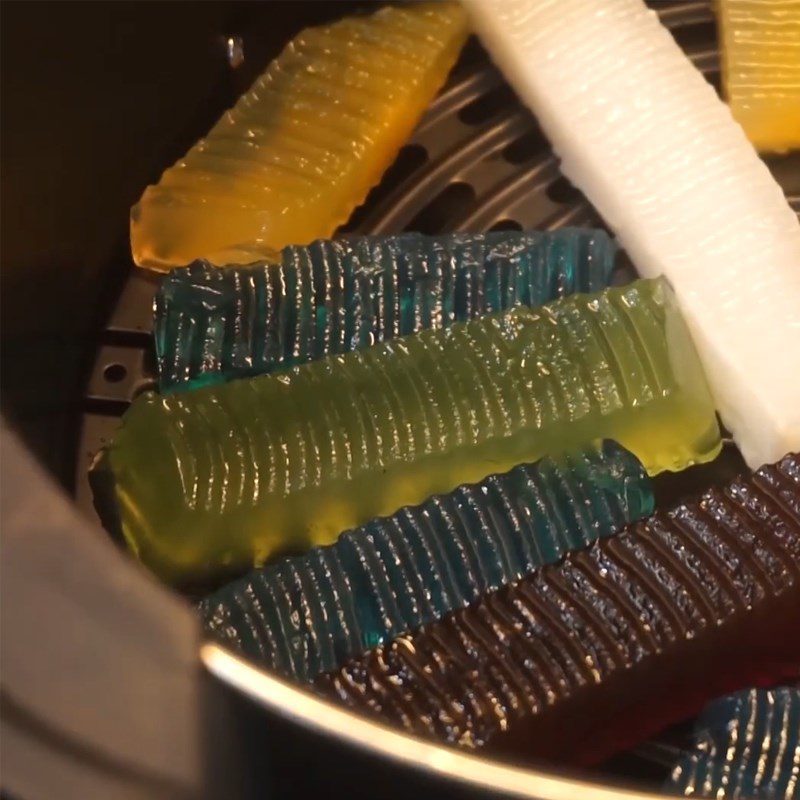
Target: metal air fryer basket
{"type": "Point", "coordinates": [107, 689]}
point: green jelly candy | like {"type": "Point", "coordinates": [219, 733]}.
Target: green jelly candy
{"type": "Point", "coordinates": [221, 479]}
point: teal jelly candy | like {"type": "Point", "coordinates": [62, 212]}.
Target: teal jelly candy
{"type": "Point", "coordinates": [746, 745]}
{"type": "Point", "coordinates": [334, 296]}
{"type": "Point", "coordinates": [310, 614]}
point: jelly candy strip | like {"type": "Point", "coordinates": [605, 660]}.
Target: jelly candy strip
{"type": "Point", "coordinates": [336, 296]}
{"type": "Point", "coordinates": [310, 614]}
{"type": "Point", "coordinates": [301, 149]}
{"type": "Point", "coordinates": [585, 657]}
{"type": "Point", "coordinates": [760, 43]}
{"type": "Point", "coordinates": [746, 745]}
{"type": "Point", "coordinates": [225, 476]}
{"type": "Point", "coordinates": [645, 137]}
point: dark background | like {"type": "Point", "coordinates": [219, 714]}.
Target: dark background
{"type": "Point", "coordinates": [97, 99]}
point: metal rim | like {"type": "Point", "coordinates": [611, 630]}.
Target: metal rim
{"type": "Point", "coordinates": [303, 708]}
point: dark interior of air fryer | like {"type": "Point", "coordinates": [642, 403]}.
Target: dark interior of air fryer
{"type": "Point", "coordinates": [477, 162]}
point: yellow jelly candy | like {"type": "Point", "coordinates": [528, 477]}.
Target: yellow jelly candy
{"type": "Point", "coordinates": [300, 150]}
{"type": "Point", "coordinates": [760, 42]}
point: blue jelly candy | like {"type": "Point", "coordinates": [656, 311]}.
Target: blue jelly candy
{"type": "Point", "coordinates": [329, 297]}
{"type": "Point", "coordinates": [745, 745]}
{"type": "Point", "coordinates": [309, 614]}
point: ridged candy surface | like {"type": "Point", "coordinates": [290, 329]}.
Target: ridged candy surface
{"type": "Point", "coordinates": [312, 613]}
{"type": "Point", "coordinates": [301, 149]}
{"type": "Point", "coordinates": [760, 42]}
{"type": "Point", "coordinates": [747, 745]}
{"type": "Point", "coordinates": [645, 137]}
{"type": "Point", "coordinates": [225, 476]}
{"type": "Point", "coordinates": [334, 296]}
{"type": "Point", "coordinates": [615, 642]}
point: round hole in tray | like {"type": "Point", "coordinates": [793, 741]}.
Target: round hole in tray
{"type": "Point", "coordinates": [115, 373]}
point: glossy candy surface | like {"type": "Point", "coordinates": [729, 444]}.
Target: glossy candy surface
{"type": "Point", "coordinates": [301, 149]}
{"type": "Point", "coordinates": [760, 43]}
{"type": "Point", "coordinates": [641, 132]}
{"type": "Point", "coordinates": [582, 658]}
{"type": "Point", "coordinates": [223, 477]}
{"type": "Point", "coordinates": [310, 614]}
{"type": "Point", "coordinates": [747, 745]}
{"type": "Point", "coordinates": [335, 296]}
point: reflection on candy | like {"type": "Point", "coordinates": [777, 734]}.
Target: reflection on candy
{"type": "Point", "coordinates": [582, 658]}
{"type": "Point", "coordinates": [311, 613]}
{"type": "Point", "coordinates": [335, 296]}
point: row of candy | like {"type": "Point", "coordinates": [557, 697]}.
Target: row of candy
{"type": "Point", "coordinates": [543, 608]}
